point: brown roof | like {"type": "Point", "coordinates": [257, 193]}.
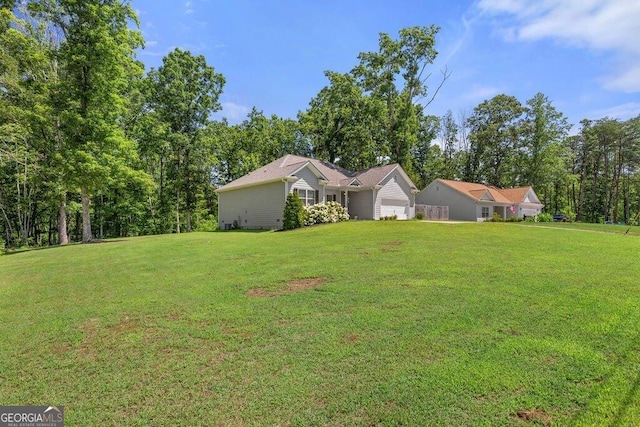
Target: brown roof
{"type": "Point", "coordinates": [373, 176]}
{"type": "Point", "coordinates": [476, 191]}
{"type": "Point", "coordinates": [517, 195]}
{"type": "Point", "coordinates": [335, 175]}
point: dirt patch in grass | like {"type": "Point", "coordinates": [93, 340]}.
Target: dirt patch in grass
{"type": "Point", "coordinates": [90, 329]}
{"type": "Point", "coordinates": [535, 415]}
{"type": "Point", "coordinates": [61, 349]}
{"type": "Point", "coordinates": [125, 324]}
{"type": "Point", "coordinates": [295, 285]}
{"type": "Point", "coordinates": [393, 243]}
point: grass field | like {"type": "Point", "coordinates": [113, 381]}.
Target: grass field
{"type": "Point", "coordinates": [361, 323]}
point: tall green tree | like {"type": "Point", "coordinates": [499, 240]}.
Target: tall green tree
{"type": "Point", "coordinates": [544, 129]}
{"type": "Point", "coordinates": [344, 124]}
{"type": "Point", "coordinates": [28, 141]}
{"type": "Point", "coordinates": [397, 74]}
{"type": "Point", "coordinates": [448, 133]}
{"type": "Point", "coordinates": [184, 93]}
{"type": "Point", "coordinates": [427, 159]}
{"type": "Point", "coordinates": [96, 54]}
{"type": "Point", "coordinates": [495, 133]}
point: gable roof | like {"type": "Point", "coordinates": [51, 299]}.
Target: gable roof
{"type": "Point", "coordinates": [479, 192]}
{"type": "Point", "coordinates": [335, 176]}
{"type": "Point", "coordinates": [519, 195]}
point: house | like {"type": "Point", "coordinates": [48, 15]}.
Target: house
{"type": "Point", "coordinates": [476, 202]}
{"type": "Point", "coordinates": [257, 199]}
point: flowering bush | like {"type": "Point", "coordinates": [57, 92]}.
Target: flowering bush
{"type": "Point", "coordinates": [324, 213]}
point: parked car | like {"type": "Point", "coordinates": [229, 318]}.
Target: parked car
{"type": "Point", "coordinates": [558, 217]}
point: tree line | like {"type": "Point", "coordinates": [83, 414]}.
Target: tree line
{"type": "Point", "coordinates": [92, 145]}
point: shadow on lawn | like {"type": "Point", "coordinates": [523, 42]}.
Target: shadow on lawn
{"type": "Point", "coordinates": [42, 248]}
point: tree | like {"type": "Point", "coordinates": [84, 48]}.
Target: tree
{"type": "Point", "coordinates": [184, 93]}
{"type": "Point", "coordinates": [95, 55]}
{"type": "Point", "coordinates": [448, 134]}
{"type": "Point", "coordinates": [495, 131]}
{"type": "Point", "coordinates": [427, 160]}
{"type": "Point", "coordinates": [344, 124]}
{"type": "Point", "coordinates": [544, 126]}
{"type": "Point", "coordinates": [294, 212]}
{"type": "Point", "coordinates": [397, 75]}
{"type": "Point", "coordinates": [28, 141]}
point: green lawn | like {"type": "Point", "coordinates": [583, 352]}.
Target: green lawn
{"type": "Point", "coordinates": [360, 323]}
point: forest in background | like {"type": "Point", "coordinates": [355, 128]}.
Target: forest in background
{"type": "Point", "coordinates": [94, 146]}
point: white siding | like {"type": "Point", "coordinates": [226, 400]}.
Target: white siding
{"type": "Point", "coordinates": [461, 207]}
{"type": "Point", "coordinates": [361, 204]}
{"type": "Point", "coordinates": [395, 188]}
{"type": "Point", "coordinates": [254, 207]}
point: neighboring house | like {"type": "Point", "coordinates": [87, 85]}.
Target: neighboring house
{"type": "Point", "coordinates": [477, 202]}
{"type": "Point", "coordinates": [257, 199]}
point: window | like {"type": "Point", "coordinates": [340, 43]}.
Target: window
{"type": "Point", "coordinates": [331, 198]}
{"type": "Point", "coordinates": [485, 212]}
{"type": "Point", "coordinates": [308, 197]}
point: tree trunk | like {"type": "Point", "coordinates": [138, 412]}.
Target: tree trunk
{"type": "Point", "coordinates": [188, 219]}
{"type": "Point", "coordinates": [86, 217]}
{"type": "Point", "coordinates": [178, 213]}
{"type": "Point", "coordinates": [63, 236]}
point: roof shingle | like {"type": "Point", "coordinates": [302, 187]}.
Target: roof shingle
{"type": "Point", "coordinates": [335, 175]}
{"type": "Point", "coordinates": [476, 191]}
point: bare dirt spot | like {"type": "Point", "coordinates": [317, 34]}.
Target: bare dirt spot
{"type": "Point", "coordinates": [352, 337]}
{"type": "Point", "coordinates": [61, 349]}
{"type": "Point", "coordinates": [393, 243]}
{"type": "Point", "coordinates": [534, 415]}
{"type": "Point", "coordinates": [126, 324]}
{"type": "Point", "coordinates": [295, 285]}
{"type": "Point", "coordinates": [90, 329]}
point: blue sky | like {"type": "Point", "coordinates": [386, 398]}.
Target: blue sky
{"type": "Point", "coordinates": [583, 54]}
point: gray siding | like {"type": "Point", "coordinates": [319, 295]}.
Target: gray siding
{"type": "Point", "coordinates": [461, 207]}
{"type": "Point", "coordinates": [394, 187]}
{"type": "Point", "coordinates": [306, 179]}
{"type": "Point", "coordinates": [309, 181]}
{"type": "Point", "coordinates": [254, 207]}
{"type": "Point", "coordinates": [361, 204]}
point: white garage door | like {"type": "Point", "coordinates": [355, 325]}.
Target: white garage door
{"type": "Point", "coordinates": [390, 207]}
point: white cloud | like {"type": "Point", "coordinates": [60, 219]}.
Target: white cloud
{"type": "Point", "coordinates": [602, 25]}
{"type": "Point", "coordinates": [188, 7]}
{"type": "Point", "coordinates": [234, 112]}
{"type": "Point", "coordinates": [627, 80]}
{"type": "Point", "coordinates": [149, 43]}
{"type": "Point", "coordinates": [622, 112]}
{"type": "Point", "coordinates": [480, 93]}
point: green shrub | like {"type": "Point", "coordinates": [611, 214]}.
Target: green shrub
{"type": "Point", "coordinates": [294, 213]}
{"type": "Point", "coordinates": [207, 223]}
{"type": "Point", "coordinates": [514, 219]}
{"type": "Point", "coordinates": [571, 215]}
{"type": "Point", "coordinates": [420, 216]}
{"type": "Point", "coordinates": [495, 218]}
{"type": "Point", "coordinates": [544, 217]}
